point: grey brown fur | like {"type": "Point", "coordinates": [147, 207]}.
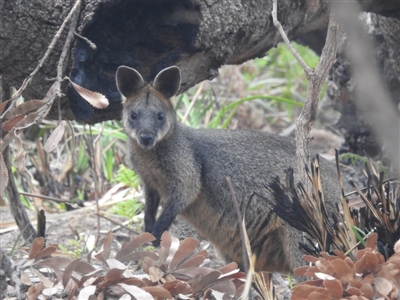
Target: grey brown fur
{"type": "Point", "coordinates": [185, 170]}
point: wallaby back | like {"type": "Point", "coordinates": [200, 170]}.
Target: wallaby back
{"type": "Point", "coordinates": [185, 170]}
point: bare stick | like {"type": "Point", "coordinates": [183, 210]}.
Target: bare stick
{"type": "Point", "coordinates": [121, 225]}
{"type": "Point", "coordinates": [90, 43]}
{"type": "Point", "coordinates": [316, 78]}
{"type": "Point", "coordinates": [58, 200]}
{"type": "Point", "coordinates": [278, 25]}
{"type": "Point", "coordinates": [240, 221]}
{"type": "Point", "coordinates": [57, 36]}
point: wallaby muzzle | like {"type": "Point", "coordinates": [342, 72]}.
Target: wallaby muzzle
{"type": "Point", "coordinates": [146, 139]}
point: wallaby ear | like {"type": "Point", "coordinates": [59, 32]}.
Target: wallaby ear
{"type": "Point", "coordinates": [168, 81]}
{"type": "Point", "coordinates": [129, 81]}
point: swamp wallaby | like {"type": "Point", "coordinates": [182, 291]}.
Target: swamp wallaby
{"type": "Point", "coordinates": [185, 170]}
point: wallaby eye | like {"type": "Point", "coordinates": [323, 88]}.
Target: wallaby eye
{"type": "Point", "coordinates": [160, 116]}
{"type": "Point", "coordinates": [133, 115]}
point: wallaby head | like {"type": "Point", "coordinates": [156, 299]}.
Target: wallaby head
{"type": "Point", "coordinates": [148, 114]}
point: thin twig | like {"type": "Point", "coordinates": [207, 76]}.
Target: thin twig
{"type": "Point", "coordinates": [44, 197]}
{"type": "Point", "coordinates": [359, 242]}
{"type": "Point", "coordinates": [28, 80]}
{"type": "Point", "coordinates": [121, 225]}
{"type": "Point", "coordinates": [278, 25]}
{"type": "Point", "coordinates": [90, 43]}
{"type": "Point", "coordinates": [97, 176]}
{"type": "Point", "coordinates": [61, 62]}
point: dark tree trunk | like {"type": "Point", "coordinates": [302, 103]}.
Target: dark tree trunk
{"type": "Point", "coordinates": [197, 35]}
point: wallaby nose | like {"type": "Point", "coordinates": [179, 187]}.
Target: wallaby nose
{"type": "Point", "coordinates": [147, 138]}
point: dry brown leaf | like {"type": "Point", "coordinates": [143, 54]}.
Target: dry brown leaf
{"type": "Point", "coordinates": [367, 291]}
{"type": "Point", "coordinates": [20, 154]}
{"type": "Point", "coordinates": [57, 264]}
{"type": "Point", "coordinates": [24, 108]}
{"type": "Point", "coordinates": [351, 290]}
{"type": "Point", "coordinates": [147, 263]}
{"type": "Point", "coordinates": [54, 138]}
{"type": "Point", "coordinates": [155, 274]}
{"type": "Point", "coordinates": [334, 288]}
{"type": "Point", "coordinates": [205, 281]}
{"type": "Point", "coordinates": [3, 175]}
{"type": "Point", "coordinates": [3, 106]}
{"type": "Point", "coordinates": [318, 296]}
{"type": "Point", "coordinates": [87, 276]}
{"type": "Point", "coordinates": [396, 247]}
{"type": "Point", "coordinates": [86, 292]}
{"type": "Point", "coordinates": [339, 254]}
{"type": "Point", "coordinates": [133, 244]}
{"type": "Point", "coordinates": [383, 286]}
{"type": "Point", "coordinates": [10, 124]}
{"type": "Point", "coordinates": [300, 271]}
{"type": "Point", "coordinates": [35, 291]}
{"type": "Point", "coordinates": [54, 263]}
{"type": "Point", "coordinates": [177, 287]}
{"type": "Point", "coordinates": [136, 292]}
{"type": "Point", "coordinates": [25, 278]}
{"type": "Point", "coordinates": [46, 281]}
{"type": "Point", "coordinates": [226, 287]}
{"type": "Point", "coordinates": [372, 241]}
{"type": "Point", "coordinates": [114, 263]}
{"type": "Point", "coordinates": [114, 274]}
{"type": "Point", "coordinates": [95, 99]}
{"type": "Point", "coordinates": [37, 246]}
{"type": "Point", "coordinates": [355, 283]}
{"type": "Point", "coordinates": [165, 245]}
{"type": "Point", "coordinates": [227, 268]}
{"type": "Point", "coordinates": [84, 268]}
{"type": "Point", "coordinates": [107, 245]}
{"type": "Point", "coordinates": [49, 250]}
{"type": "Point", "coordinates": [311, 272]}
{"type": "Point", "coordinates": [50, 92]}
{"type": "Point", "coordinates": [187, 273]}
{"type": "Point", "coordinates": [186, 247]}
{"type": "Point", "coordinates": [327, 256]}
{"type": "Point", "coordinates": [367, 264]}
{"type": "Point", "coordinates": [194, 261]}
{"type": "Point", "coordinates": [342, 270]}
{"type": "Point", "coordinates": [324, 266]}
{"type": "Point", "coordinates": [158, 292]}
{"type": "Point", "coordinates": [139, 255]}
{"type": "Point", "coordinates": [304, 290]}
{"type": "Point", "coordinates": [29, 119]}
{"type": "Point", "coordinates": [42, 113]}
{"type": "Point", "coordinates": [310, 258]}
{"type": "Point", "coordinates": [316, 282]}
{"type": "Point", "coordinates": [68, 271]}
{"type": "Point", "coordinates": [6, 140]}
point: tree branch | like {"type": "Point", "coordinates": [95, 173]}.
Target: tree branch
{"type": "Point", "coordinates": [28, 80]}
{"type": "Point", "coordinates": [316, 78]}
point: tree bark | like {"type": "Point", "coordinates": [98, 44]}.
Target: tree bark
{"type": "Point", "coordinates": [199, 36]}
